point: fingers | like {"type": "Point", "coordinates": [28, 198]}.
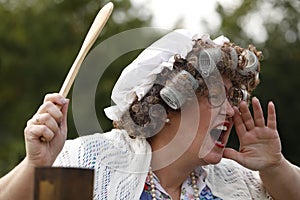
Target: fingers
{"type": "Point", "coordinates": [257, 120]}
{"type": "Point", "coordinates": [46, 123]}
{"type": "Point", "coordinates": [52, 105]}
{"type": "Point", "coordinates": [52, 109]}
{"type": "Point", "coordinates": [56, 99]}
{"type": "Point", "coordinates": [64, 111]}
{"type": "Point", "coordinates": [238, 122]}
{"type": "Point", "coordinates": [271, 121]}
{"type": "Point", "coordinates": [246, 116]}
{"type": "Point", "coordinates": [245, 122]}
{"type": "Point", "coordinates": [258, 113]}
{"type": "Point", "coordinates": [38, 131]}
{"type": "Point", "coordinates": [45, 119]}
{"type": "Point", "coordinates": [233, 155]}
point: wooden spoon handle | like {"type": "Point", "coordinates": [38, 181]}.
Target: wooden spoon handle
{"type": "Point", "coordinates": [88, 42]}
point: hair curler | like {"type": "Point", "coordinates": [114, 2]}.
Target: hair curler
{"type": "Point", "coordinates": [176, 91]}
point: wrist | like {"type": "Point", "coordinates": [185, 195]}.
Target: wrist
{"type": "Point", "coordinates": [27, 164]}
{"type": "Point", "coordinates": [276, 167]}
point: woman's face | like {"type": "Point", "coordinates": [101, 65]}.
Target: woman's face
{"type": "Point", "coordinates": [214, 126]}
{"type": "Point", "coordinates": [198, 133]}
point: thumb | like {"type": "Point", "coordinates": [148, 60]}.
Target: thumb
{"type": "Point", "coordinates": [233, 155]}
{"type": "Point", "coordinates": [64, 111]}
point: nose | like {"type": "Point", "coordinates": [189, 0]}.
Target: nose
{"type": "Point", "coordinates": [228, 109]}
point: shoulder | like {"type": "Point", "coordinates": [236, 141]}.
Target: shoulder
{"type": "Point", "coordinates": [109, 147]}
{"type": "Point", "coordinates": [114, 139]}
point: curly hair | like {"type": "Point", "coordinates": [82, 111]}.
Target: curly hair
{"type": "Point", "coordinates": [148, 116]}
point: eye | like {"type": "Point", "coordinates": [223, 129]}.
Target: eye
{"type": "Point", "coordinates": [215, 99]}
{"type": "Point", "coordinates": [216, 94]}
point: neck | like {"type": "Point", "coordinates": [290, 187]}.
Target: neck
{"type": "Point", "coordinates": [171, 180]}
{"type": "Point", "coordinates": [173, 157]}
{"type": "Point", "coordinates": [172, 176]}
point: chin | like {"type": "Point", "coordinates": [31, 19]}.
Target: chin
{"type": "Point", "coordinates": [213, 158]}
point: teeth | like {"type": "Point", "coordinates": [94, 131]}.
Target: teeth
{"type": "Point", "coordinates": [222, 128]}
{"type": "Point", "coordinates": [220, 144]}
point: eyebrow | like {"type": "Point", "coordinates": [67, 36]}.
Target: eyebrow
{"type": "Point", "coordinates": [226, 89]}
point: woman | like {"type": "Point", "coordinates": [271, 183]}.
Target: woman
{"type": "Point", "coordinates": [175, 107]}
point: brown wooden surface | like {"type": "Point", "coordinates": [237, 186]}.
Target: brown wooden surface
{"type": "Point", "coordinates": [56, 183]}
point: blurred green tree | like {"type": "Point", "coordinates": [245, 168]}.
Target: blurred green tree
{"type": "Point", "coordinates": [39, 41]}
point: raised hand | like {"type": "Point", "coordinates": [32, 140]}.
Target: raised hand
{"type": "Point", "coordinates": [49, 123]}
{"type": "Point", "coordinates": [260, 145]}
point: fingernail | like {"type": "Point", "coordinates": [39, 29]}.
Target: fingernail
{"type": "Point", "coordinates": [63, 101]}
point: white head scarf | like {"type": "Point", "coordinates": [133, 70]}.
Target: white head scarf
{"type": "Point", "coordinates": [139, 76]}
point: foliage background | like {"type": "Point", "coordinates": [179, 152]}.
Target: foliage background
{"type": "Point", "coordinates": [40, 39]}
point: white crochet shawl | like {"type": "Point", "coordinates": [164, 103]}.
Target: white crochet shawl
{"type": "Point", "coordinates": [121, 165]}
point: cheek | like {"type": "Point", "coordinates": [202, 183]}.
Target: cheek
{"type": "Point", "coordinates": [207, 116]}
{"type": "Point", "coordinates": [204, 125]}
{"type": "Point", "coordinates": [197, 119]}
{"type": "Point", "coordinates": [204, 122]}
{"type": "Point", "coordinates": [207, 120]}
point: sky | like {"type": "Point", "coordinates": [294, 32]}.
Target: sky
{"type": "Point", "coordinates": [167, 12]}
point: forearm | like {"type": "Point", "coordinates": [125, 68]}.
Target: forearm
{"type": "Point", "coordinates": [18, 183]}
{"type": "Point", "coordinates": [282, 181]}
{"type": "Point", "coordinates": [50, 122]}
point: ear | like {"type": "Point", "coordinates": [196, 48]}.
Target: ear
{"type": "Point", "coordinates": [172, 115]}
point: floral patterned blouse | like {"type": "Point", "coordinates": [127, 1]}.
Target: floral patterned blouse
{"type": "Point", "coordinates": [187, 192]}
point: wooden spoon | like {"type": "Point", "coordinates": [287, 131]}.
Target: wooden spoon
{"type": "Point", "coordinates": [90, 39]}
{"type": "Point", "coordinates": [92, 35]}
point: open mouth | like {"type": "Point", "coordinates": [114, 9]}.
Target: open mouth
{"type": "Point", "coordinates": [218, 135]}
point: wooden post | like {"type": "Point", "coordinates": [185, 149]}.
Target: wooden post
{"type": "Point", "coordinates": [57, 183]}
